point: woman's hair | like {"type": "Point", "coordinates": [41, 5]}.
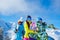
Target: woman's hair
{"type": "Point", "coordinates": [28, 24]}
{"type": "Point", "coordinates": [20, 22]}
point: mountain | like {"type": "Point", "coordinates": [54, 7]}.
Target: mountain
{"type": "Point", "coordinates": [6, 26]}
{"type": "Point", "coordinates": [55, 34]}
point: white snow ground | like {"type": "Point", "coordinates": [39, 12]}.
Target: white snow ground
{"type": "Point", "coordinates": [54, 33]}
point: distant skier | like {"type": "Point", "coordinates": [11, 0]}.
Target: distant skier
{"type": "Point", "coordinates": [20, 30]}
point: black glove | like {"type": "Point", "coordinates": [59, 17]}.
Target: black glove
{"type": "Point", "coordinates": [16, 31]}
{"type": "Point", "coordinates": [44, 24]}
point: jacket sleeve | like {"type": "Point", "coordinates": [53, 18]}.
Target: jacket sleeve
{"type": "Point", "coordinates": [27, 29]}
{"type": "Point", "coordinates": [25, 26]}
{"type": "Point", "coordinates": [51, 26]}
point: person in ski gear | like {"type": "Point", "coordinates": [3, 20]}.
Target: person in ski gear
{"type": "Point", "coordinates": [41, 26]}
{"type": "Point", "coordinates": [33, 35]}
{"type": "Point", "coordinates": [20, 30]}
{"type": "Point", "coordinates": [27, 28]}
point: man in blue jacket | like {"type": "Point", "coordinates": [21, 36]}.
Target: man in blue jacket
{"type": "Point", "coordinates": [20, 30]}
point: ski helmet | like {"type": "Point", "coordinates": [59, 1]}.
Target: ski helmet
{"type": "Point", "coordinates": [39, 19]}
{"type": "Point", "coordinates": [29, 17]}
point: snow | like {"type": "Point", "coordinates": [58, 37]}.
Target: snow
{"type": "Point", "coordinates": [54, 33]}
{"type": "Point", "coordinates": [8, 28]}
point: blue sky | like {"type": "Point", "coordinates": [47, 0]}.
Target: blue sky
{"type": "Point", "coordinates": [49, 10]}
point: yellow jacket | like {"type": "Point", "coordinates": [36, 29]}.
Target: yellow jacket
{"type": "Point", "coordinates": [27, 30]}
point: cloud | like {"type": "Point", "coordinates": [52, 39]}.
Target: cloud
{"type": "Point", "coordinates": [8, 7]}
{"type": "Point", "coordinates": [12, 6]}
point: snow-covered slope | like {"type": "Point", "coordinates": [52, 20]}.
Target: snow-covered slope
{"type": "Point", "coordinates": [55, 34]}
{"type": "Point", "coordinates": [8, 28]}
{"type": "Point", "coordinates": [11, 32]}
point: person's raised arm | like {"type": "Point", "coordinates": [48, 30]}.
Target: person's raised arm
{"type": "Point", "coordinates": [16, 29]}
{"type": "Point", "coordinates": [51, 26]}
